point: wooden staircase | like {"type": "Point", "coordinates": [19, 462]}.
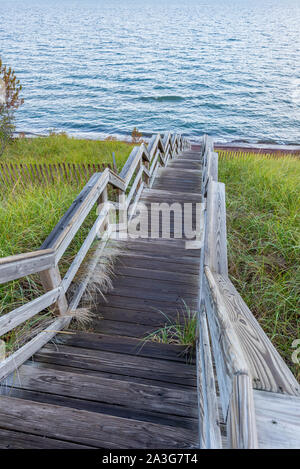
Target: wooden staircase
{"type": "Point", "coordinates": [107, 388]}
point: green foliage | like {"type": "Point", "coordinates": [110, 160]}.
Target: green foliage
{"type": "Point", "coordinates": [181, 331]}
{"type": "Point", "coordinates": [262, 203]}
{"type": "Point", "coordinates": [27, 217]}
{"type": "Point", "coordinates": [136, 136]}
{"type": "Point", "coordinates": [10, 101]}
{"type": "Point", "coordinates": [58, 148]}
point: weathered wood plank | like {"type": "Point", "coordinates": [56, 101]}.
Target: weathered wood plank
{"type": "Point", "coordinates": [134, 395]}
{"type": "Point", "coordinates": [241, 425]}
{"type": "Point", "coordinates": [210, 434]}
{"type": "Point", "coordinates": [51, 280]}
{"type": "Point", "coordinates": [157, 286]}
{"type": "Point", "coordinates": [268, 370]}
{"type": "Point", "coordinates": [167, 305]}
{"type": "Point", "coordinates": [125, 345]}
{"type": "Point", "coordinates": [104, 408]}
{"type": "Point", "coordinates": [278, 420]}
{"type": "Point", "coordinates": [211, 170]}
{"type": "Point", "coordinates": [11, 363]}
{"type": "Point", "coordinates": [89, 428]}
{"type": "Point", "coordinates": [143, 367]}
{"type": "Point", "coordinates": [157, 263]}
{"type": "Point", "coordinates": [228, 355]}
{"type": "Point", "coordinates": [162, 194]}
{"type": "Point", "coordinates": [18, 440]}
{"type": "Point", "coordinates": [164, 276]}
{"type": "Point", "coordinates": [216, 240]}
{"type": "Point", "coordinates": [11, 320]}
{"type": "Point", "coordinates": [21, 265]}
{"type": "Point", "coordinates": [127, 328]}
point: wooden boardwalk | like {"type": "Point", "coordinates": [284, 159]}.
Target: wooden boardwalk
{"type": "Point", "coordinates": [108, 389]}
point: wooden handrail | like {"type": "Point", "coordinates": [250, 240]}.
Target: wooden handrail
{"type": "Point", "coordinates": [244, 356]}
{"type": "Point", "coordinates": [145, 159]}
{"type": "Point", "coordinates": [236, 395]}
{"type": "Point", "coordinates": [21, 265]}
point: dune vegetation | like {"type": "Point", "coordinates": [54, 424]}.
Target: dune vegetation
{"type": "Point", "coordinates": [58, 148]}
{"type": "Point", "coordinates": [27, 216]}
{"type": "Point", "coordinates": [262, 203]}
{"type": "Point", "coordinates": [262, 198]}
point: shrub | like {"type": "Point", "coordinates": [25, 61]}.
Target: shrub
{"type": "Point", "coordinates": [10, 101]}
{"type": "Point", "coordinates": [136, 136]}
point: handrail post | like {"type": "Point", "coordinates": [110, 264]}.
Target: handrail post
{"type": "Point", "coordinates": [51, 279]}
{"type": "Point", "coordinates": [147, 166]}
{"type": "Point", "coordinates": [100, 202]}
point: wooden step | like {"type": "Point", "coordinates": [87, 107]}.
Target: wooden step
{"type": "Point", "coordinates": [115, 410]}
{"type": "Point", "coordinates": [121, 364]}
{"type": "Point", "coordinates": [89, 428]}
{"type": "Point", "coordinates": [108, 388]}
{"type": "Point", "coordinates": [123, 345]}
{"type": "Point", "coordinates": [18, 440]}
{"type": "Point", "coordinates": [167, 306]}
{"type": "Point", "coordinates": [138, 260]}
{"type": "Point", "coordinates": [161, 195]}
{"type": "Point", "coordinates": [128, 319]}
{"type": "Point", "coordinates": [98, 389]}
{"type": "Point", "coordinates": [176, 278]}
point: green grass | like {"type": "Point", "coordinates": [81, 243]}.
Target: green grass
{"type": "Point", "coordinates": [57, 148]}
{"type": "Point", "coordinates": [262, 203]}
{"type": "Point", "coordinates": [262, 223]}
{"type": "Point", "coordinates": [26, 219]}
{"type": "Point", "coordinates": [181, 331]}
{"type": "Point", "coordinates": [28, 216]}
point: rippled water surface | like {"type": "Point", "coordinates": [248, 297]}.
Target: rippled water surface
{"type": "Point", "coordinates": [230, 68]}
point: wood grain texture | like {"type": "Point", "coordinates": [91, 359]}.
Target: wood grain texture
{"type": "Point", "coordinates": [210, 434]}
{"type": "Point", "coordinates": [89, 428]}
{"type": "Point", "coordinates": [125, 345]}
{"type": "Point", "coordinates": [11, 363]}
{"type": "Point", "coordinates": [241, 424]}
{"type": "Point", "coordinates": [51, 280]}
{"type": "Point", "coordinates": [266, 367]}
{"type": "Point", "coordinates": [11, 320]}
{"type": "Point", "coordinates": [124, 393]}
{"type": "Point", "coordinates": [111, 362]}
{"type": "Point", "coordinates": [278, 420]}
{"type": "Point", "coordinates": [216, 240]}
{"type": "Point", "coordinates": [228, 354]}
{"type": "Point", "coordinates": [21, 265]}
{"type": "Point", "coordinates": [18, 440]}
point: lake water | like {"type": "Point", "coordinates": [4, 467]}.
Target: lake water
{"type": "Point", "coordinates": [230, 68]}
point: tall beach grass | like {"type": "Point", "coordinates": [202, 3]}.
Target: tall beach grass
{"type": "Point", "coordinates": [59, 148]}
{"type": "Point", "coordinates": [262, 203]}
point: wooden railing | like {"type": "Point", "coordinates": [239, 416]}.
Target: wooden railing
{"type": "Point", "coordinates": [229, 335]}
{"type": "Point", "coordinates": [138, 172]}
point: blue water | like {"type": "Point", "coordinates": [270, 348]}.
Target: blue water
{"type": "Point", "coordinates": [230, 68]}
